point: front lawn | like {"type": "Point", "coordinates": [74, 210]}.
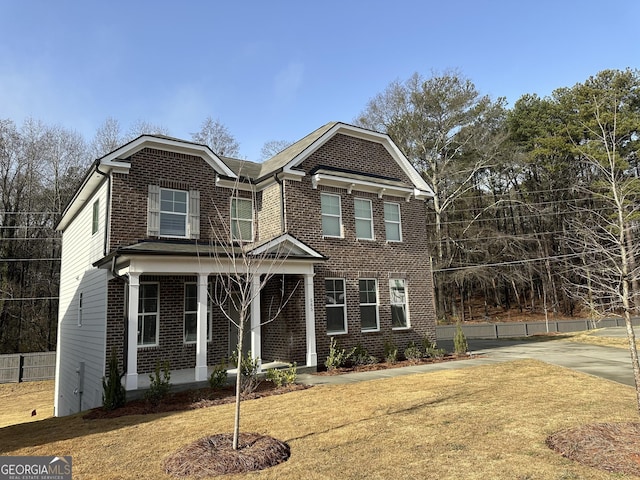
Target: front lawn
{"type": "Point", "coordinates": [473, 423]}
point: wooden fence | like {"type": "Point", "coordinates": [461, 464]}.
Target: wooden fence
{"type": "Point", "coordinates": [27, 367]}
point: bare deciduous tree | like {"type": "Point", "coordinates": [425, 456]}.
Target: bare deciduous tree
{"type": "Point", "coordinates": [214, 134]}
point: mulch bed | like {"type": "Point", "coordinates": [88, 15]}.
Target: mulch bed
{"type": "Point", "coordinates": [190, 400]}
{"type": "Point", "coordinates": [614, 447]}
{"type": "Point", "coordinates": [397, 364]}
{"type": "Point", "coordinates": [214, 455]}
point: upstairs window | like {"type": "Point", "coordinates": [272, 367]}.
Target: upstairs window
{"type": "Point", "coordinates": [242, 219]}
{"type": "Point", "coordinates": [173, 213]}
{"type": "Point", "coordinates": [364, 219]}
{"type": "Point", "coordinates": [331, 215]}
{"type": "Point", "coordinates": [95, 220]}
{"type": "Point", "coordinates": [392, 224]}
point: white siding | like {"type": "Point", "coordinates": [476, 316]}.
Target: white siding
{"type": "Point", "coordinates": [86, 343]}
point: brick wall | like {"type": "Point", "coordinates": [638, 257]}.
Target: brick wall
{"type": "Point", "coordinates": [351, 259]}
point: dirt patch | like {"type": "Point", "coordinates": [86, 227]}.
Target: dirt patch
{"type": "Point", "coordinates": [214, 455]}
{"type": "Point", "coordinates": [614, 447]}
{"type": "Point", "coordinates": [190, 400]}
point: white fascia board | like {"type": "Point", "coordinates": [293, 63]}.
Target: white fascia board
{"type": "Point", "coordinates": [171, 145]}
{"type": "Point", "coordinates": [350, 184]}
{"type": "Point", "coordinates": [363, 134]}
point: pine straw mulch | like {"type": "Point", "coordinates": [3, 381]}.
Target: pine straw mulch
{"type": "Point", "coordinates": [450, 357]}
{"type": "Point", "coordinates": [614, 447]}
{"type": "Point", "coordinates": [191, 400]}
{"type": "Point", "coordinates": [214, 455]}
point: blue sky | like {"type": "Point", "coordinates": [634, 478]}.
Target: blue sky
{"type": "Point", "coordinates": [277, 70]}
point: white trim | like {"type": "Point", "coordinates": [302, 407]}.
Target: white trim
{"type": "Point", "coordinates": [406, 304]}
{"type": "Point", "coordinates": [372, 235]}
{"type": "Point", "coordinates": [331, 215]}
{"type": "Point", "coordinates": [376, 305]}
{"type": "Point", "coordinates": [337, 305]}
{"type": "Point", "coordinates": [240, 221]}
{"type": "Point", "coordinates": [167, 212]}
{"type": "Point", "coordinates": [399, 222]}
{"type": "Point", "coordinates": [185, 312]}
{"type": "Point", "coordinates": [368, 186]}
{"type": "Point", "coordinates": [157, 314]}
{"type": "Point", "coordinates": [279, 244]}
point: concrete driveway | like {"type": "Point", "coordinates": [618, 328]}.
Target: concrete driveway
{"type": "Point", "coordinates": [606, 362]}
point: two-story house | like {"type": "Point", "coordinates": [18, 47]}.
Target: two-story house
{"type": "Point", "coordinates": [144, 254]}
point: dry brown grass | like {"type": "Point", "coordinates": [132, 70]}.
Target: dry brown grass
{"type": "Point", "coordinates": [19, 400]}
{"type": "Point", "coordinates": [589, 337]}
{"type": "Point", "coordinates": [486, 422]}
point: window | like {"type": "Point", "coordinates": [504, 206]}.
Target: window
{"type": "Point", "coordinates": [399, 311]}
{"type": "Point", "coordinates": [392, 223]}
{"type": "Point", "coordinates": [80, 306]}
{"type": "Point", "coordinates": [242, 219]}
{"type": "Point", "coordinates": [364, 219]}
{"type": "Point", "coordinates": [331, 215]}
{"type": "Point", "coordinates": [173, 213]}
{"type": "Point", "coordinates": [191, 314]}
{"type": "Point", "coordinates": [368, 304]}
{"type": "Point", "coordinates": [148, 314]}
{"type": "Point", "coordinates": [96, 217]}
{"type": "Point", "coordinates": [336, 306]}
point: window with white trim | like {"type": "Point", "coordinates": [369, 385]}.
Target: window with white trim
{"type": "Point", "coordinates": [392, 222]}
{"type": "Point", "coordinates": [191, 313]}
{"type": "Point", "coordinates": [336, 305]}
{"type": "Point", "coordinates": [368, 304]}
{"type": "Point", "coordinates": [398, 296]}
{"type": "Point", "coordinates": [95, 220]}
{"type": "Point", "coordinates": [364, 218]}
{"type": "Point", "coordinates": [148, 317]}
{"type": "Point", "coordinates": [331, 215]}
{"type": "Point", "coordinates": [242, 219]}
{"type": "Point", "coordinates": [173, 213]}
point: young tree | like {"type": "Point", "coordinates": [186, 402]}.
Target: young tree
{"type": "Point", "coordinates": [605, 129]}
{"type": "Point", "coordinates": [214, 134]}
{"type": "Point", "coordinates": [248, 267]}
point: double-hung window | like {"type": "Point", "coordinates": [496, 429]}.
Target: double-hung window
{"type": "Point", "coordinates": [392, 223]}
{"type": "Point", "coordinates": [242, 219]}
{"type": "Point", "coordinates": [173, 212]}
{"type": "Point", "coordinates": [191, 314]}
{"type": "Point", "coordinates": [148, 314]}
{"type": "Point", "coordinates": [368, 304]}
{"type": "Point", "coordinates": [331, 215]}
{"type": "Point", "coordinates": [336, 305]}
{"type": "Point", "coordinates": [399, 310]}
{"type": "Point", "coordinates": [364, 218]}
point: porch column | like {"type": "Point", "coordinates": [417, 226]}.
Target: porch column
{"type": "Point", "coordinates": [256, 348]}
{"type": "Point", "coordinates": [310, 320]}
{"type": "Point", "coordinates": [201, 328]}
{"type": "Point", "coordinates": [131, 377]}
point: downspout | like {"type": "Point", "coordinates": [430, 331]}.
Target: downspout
{"type": "Point", "coordinates": [283, 208]}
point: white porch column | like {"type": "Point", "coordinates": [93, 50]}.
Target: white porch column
{"type": "Point", "coordinates": [201, 328]}
{"type": "Point", "coordinates": [131, 377]}
{"type": "Point", "coordinates": [310, 321]}
{"type": "Point", "coordinates": [256, 347]}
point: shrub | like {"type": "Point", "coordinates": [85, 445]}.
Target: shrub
{"type": "Point", "coordinates": [360, 356]}
{"type": "Point", "coordinates": [160, 384]}
{"type": "Point", "coordinates": [390, 351]}
{"type": "Point", "coordinates": [460, 345]}
{"type": "Point", "coordinates": [431, 349]}
{"type": "Point", "coordinates": [412, 352]}
{"type": "Point", "coordinates": [283, 376]}
{"type": "Point", "coordinates": [218, 377]}
{"type": "Point", "coordinates": [337, 356]}
{"type": "Point", "coordinates": [114, 394]}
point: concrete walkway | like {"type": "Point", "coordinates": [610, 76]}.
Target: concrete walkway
{"type": "Point", "coordinates": [606, 362]}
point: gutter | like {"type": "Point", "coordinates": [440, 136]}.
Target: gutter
{"type": "Point", "coordinates": [107, 208]}
{"type": "Point", "coordinates": [283, 205]}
